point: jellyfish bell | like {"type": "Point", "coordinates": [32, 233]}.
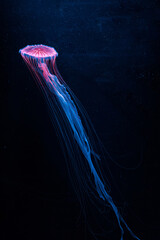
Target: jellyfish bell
{"type": "Point", "coordinates": [38, 51]}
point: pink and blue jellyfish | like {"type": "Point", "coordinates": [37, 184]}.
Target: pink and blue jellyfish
{"type": "Point", "coordinates": [81, 146]}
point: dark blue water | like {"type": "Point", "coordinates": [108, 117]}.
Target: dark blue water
{"type": "Point", "coordinates": [109, 56]}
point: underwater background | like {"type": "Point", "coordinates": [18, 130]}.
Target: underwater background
{"type": "Point", "coordinates": [109, 56]}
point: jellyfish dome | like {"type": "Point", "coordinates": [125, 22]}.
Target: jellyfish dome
{"type": "Point", "coordinates": [38, 51]}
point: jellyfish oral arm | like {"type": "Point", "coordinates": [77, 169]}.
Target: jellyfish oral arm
{"type": "Point", "coordinates": [71, 113]}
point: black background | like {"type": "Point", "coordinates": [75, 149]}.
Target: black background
{"type": "Point", "coordinates": [109, 56]}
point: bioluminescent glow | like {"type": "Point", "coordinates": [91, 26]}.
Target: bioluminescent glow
{"type": "Point", "coordinates": [74, 129]}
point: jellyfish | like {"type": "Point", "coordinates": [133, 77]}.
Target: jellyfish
{"type": "Point", "coordinates": [81, 146]}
